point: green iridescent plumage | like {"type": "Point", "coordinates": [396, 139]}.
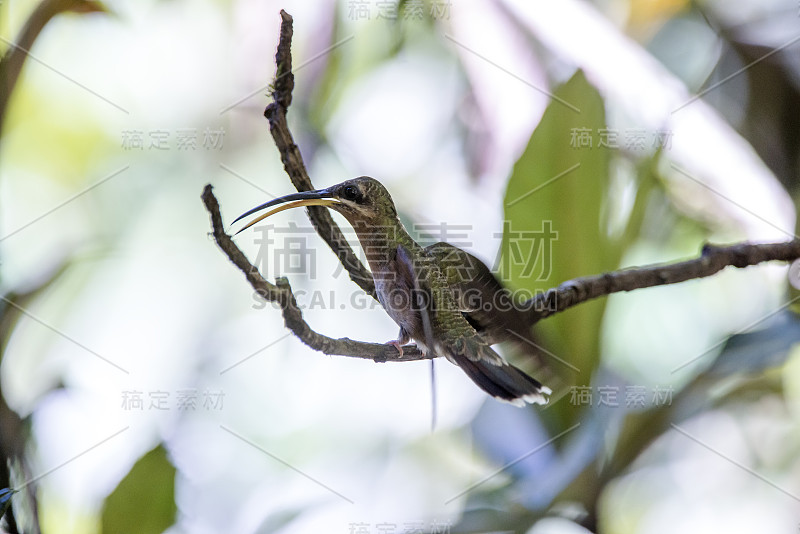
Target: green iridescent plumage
{"type": "Point", "coordinates": [442, 297]}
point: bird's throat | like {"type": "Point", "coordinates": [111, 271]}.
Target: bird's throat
{"type": "Point", "coordinates": [380, 241]}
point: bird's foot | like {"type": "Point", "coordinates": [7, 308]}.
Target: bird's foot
{"type": "Point", "coordinates": [396, 344]}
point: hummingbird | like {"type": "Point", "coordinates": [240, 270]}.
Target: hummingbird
{"type": "Point", "coordinates": [443, 298]}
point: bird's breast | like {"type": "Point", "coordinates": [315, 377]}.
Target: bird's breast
{"type": "Point", "coordinates": [397, 299]}
{"type": "Point", "coordinates": [397, 296]}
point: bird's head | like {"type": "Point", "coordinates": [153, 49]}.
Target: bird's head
{"type": "Point", "coordinates": [361, 200]}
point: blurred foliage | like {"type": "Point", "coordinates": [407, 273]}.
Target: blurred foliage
{"type": "Point", "coordinates": [554, 220]}
{"type": "Point", "coordinates": [14, 430]}
{"type": "Point", "coordinates": [5, 500]}
{"type": "Point", "coordinates": [580, 204]}
{"type": "Point", "coordinates": [19, 511]}
{"type": "Point", "coordinates": [144, 501]}
{"type": "Point", "coordinates": [574, 189]}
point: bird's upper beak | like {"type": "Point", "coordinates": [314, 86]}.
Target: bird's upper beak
{"type": "Point", "coordinates": [320, 197]}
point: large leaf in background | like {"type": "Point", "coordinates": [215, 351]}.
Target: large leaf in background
{"type": "Point", "coordinates": [144, 501]}
{"type": "Point", "coordinates": [559, 187]}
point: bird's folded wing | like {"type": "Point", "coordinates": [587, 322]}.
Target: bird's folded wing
{"type": "Point", "coordinates": [488, 306]}
{"type": "Point", "coordinates": [454, 334]}
{"type": "Point", "coordinates": [458, 341]}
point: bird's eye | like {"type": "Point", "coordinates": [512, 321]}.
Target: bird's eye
{"type": "Point", "coordinates": [351, 193]}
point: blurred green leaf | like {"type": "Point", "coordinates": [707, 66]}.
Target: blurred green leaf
{"type": "Point", "coordinates": [647, 185]}
{"type": "Point", "coordinates": [144, 501]}
{"type": "Point", "coordinates": [560, 188]}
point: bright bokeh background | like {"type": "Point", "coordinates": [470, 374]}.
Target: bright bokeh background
{"type": "Point", "coordinates": [439, 109]}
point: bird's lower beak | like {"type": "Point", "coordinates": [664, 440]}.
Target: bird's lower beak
{"type": "Point", "coordinates": [321, 197]}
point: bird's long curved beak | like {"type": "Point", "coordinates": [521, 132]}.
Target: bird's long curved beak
{"type": "Point", "coordinates": [320, 197]}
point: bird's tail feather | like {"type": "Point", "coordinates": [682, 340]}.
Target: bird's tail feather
{"type": "Point", "coordinates": [504, 382]}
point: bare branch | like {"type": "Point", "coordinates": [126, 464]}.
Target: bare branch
{"type": "Point", "coordinates": [293, 161]}
{"type": "Point", "coordinates": [712, 260]}
{"type": "Point", "coordinates": [281, 294]}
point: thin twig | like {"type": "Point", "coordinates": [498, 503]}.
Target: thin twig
{"type": "Point", "coordinates": [712, 260]}
{"type": "Point", "coordinates": [292, 160]}
{"type": "Point", "coordinates": [281, 294]}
